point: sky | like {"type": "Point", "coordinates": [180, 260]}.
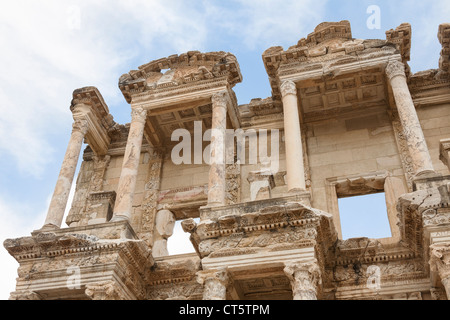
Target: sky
{"type": "Point", "coordinates": [50, 48]}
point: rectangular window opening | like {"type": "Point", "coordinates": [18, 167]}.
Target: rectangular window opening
{"type": "Point", "coordinates": [364, 217]}
{"type": "Point", "coordinates": [179, 242]}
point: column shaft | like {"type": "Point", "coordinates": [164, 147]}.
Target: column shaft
{"type": "Point", "coordinates": [415, 138]}
{"type": "Point", "coordinates": [217, 183]}
{"type": "Point", "coordinates": [128, 175]}
{"type": "Point", "coordinates": [60, 196]}
{"type": "Point", "coordinates": [293, 139]}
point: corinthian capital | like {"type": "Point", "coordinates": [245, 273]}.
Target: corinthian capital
{"type": "Point", "coordinates": [138, 114]}
{"type": "Point", "coordinates": [440, 259]}
{"type": "Point", "coordinates": [80, 125]}
{"type": "Point", "coordinates": [287, 88]}
{"type": "Point", "coordinates": [305, 279]}
{"type": "Point", "coordinates": [219, 99]}
{"type": "Point", "coordinates": [395, 68]}
{"type": "Point", "coordinates": [215, 283]}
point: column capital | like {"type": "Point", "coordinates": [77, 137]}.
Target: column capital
{"type": "Point", "coordinates": [138, 115]}
{"type": "Point", "coordinates": [288, 87]}
{"type": "Point", "coordinates": [215, 282]}
{"type": "Point", "coordinates": [305, 279]}
{"type": "Point", "coordinates": [104, 291]}
{"type": "Point", "coordinates": [440, 259]}
{"type": "Point", "coordinates": [220, 275]}
{"type": "Point", "coordinates": [219, 99]}
{"type": "Point", "coordinates": [80, 125]}
{"type": "Point", "coordinates": [394, 69]}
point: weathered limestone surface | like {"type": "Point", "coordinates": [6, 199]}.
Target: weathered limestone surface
{"type": "Point", "coordinates": [128, 176]}
{"type": "Point", "coordinates": [61, 195]}
{"type": "Point", "coordinates": [352, 120]}
{"type": "Point", "coordinates": [417, 146]}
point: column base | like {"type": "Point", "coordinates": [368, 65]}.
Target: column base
{"type": "Point", "coordinates": [427, 174]}
{"type": "Point", "coordinates": [48, 227]}
{"type": "Point", "coordinates": [118, 218]}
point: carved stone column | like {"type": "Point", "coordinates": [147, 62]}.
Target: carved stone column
{"type": "Point", "coordinates": [293, 138]}
{"type": "Point", "coordinates": [440, 262]}
{"type": "Point", "coordinates": [60, 196]}
{"type": "Point", "coordinates": [415, 139]}
{"type": "Point", "coordinates": [215, 283]}
{"type": "Point", "coordinates": [217, 171]}
{"type": "Point", "coordinates": [305, 279]}
{"type": "Point", "coordinates": [128, 176]}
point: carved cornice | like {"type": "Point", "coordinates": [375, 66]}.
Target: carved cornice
{"type": "Point", "coordinates": [444, 39]}
{"type": "Point", "coordinates": [88, 104]}
{"type": "Point", "coordinates": [401, 37]}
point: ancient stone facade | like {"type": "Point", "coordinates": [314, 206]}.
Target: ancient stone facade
{"type": "Point", "coordinates": [352, 120]}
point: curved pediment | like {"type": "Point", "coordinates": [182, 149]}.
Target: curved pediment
{"type": "Point", "coordinates": [181, 71]}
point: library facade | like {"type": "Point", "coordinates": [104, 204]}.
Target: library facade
{"type": "Point", "coordinates": [346, 118]}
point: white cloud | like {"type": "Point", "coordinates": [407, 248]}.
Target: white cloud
{"type": "Point", "coordinates": [265, 23]}
{"type": "Point", "coordinates": [50, 48]}
{"type": "Point", "coordinates": [14, 226]}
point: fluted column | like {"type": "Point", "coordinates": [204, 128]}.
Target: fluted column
{"type": "Point", "coordinates": [440, 262]}
{"type": "Point", "coordinates": [128, 175]}
{"type": "Point", "coordinates": [304, 278]}
{"type": "Point", "coordinates": [214, 283]}
{"type": "Point", "coordinates": [294, 151]}
{"type": "Point", "coordinates": [415, 139]}
{"type": "Point", "coordinates": [217, 183]}
{"type": "Point", "coordinates": [60, 196]}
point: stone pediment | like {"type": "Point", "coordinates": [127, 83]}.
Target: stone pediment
{"type": "Point", "coordinates": [330, 46]}
{"type": "Point", "coordinates": [181, 71]}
